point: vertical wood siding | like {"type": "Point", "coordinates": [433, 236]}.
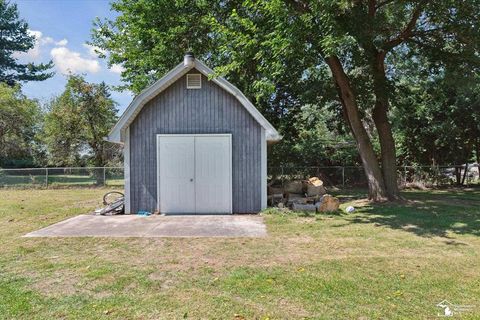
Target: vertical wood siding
{"type": "Point", "coordinates": [179, 110]}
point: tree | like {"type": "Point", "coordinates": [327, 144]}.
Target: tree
{"type": "Point", "coordinates": [20, 120]}
{"type": "Point", "coordinates": [276, 51]}
{"type": "Point", "coordinates": [14, 37]}
{"type": "Point", "coordinates": [314, 139]}
{"type": "Point", "coordinates": [438, 116]}
{"type": "Point", "coordinates": [77, 122]}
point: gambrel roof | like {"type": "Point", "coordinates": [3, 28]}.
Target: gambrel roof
{"type": "Point", "coordinates": [117, 134]}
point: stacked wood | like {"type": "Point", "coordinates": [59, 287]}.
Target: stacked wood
{"type": "Point", "coordinates": [307, 195]}
{"type": "Point", "coordinates": [275, 190]}
{"type": "Point", "coordinates": [294, 186]}
{"type": "Point", "coordinates": [295, 197]}
{"type": "Point", "coordinates": [275, 199]}
{"type": "Point", "coordinates": [314, 187]}
{"type": "Point", "coordinates": [303, 207]}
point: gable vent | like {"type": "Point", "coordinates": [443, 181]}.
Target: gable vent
{"type": "Point", "coordinates": [194, 81]}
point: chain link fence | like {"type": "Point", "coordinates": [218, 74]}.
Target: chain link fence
{"type": "Point", "coordinates": [61, 177]}
{"type": "Point", "coordinates": [354, 176]}
{"type": "Point", "coordinates": [332, 176]}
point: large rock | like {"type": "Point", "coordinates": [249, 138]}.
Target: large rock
{"type": "Point", "coordinates": [328, 203]}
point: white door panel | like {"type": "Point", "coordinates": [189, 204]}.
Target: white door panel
{"type": "Point", "coordinates": [195, 174]}
{"type": "Point", "coordinates": [177, 172]}
{"type": "Point", "coordinates": [212, 174]}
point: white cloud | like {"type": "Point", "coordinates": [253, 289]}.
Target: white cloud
{"type": "Point", "coordinates": [94, 51]}
{"type": "Point", "coordinates": [47, 40]}
{"type": "Point", "coordinates": [70, 61]}
{"type": "Point", "coordinates": [117, 68]}
{"type": "Point", "coordinates": [40, 41]}
{"type": "Point", "coordinates": [62, 42]}
{"type": "Point", "coordinates": [65, 60]}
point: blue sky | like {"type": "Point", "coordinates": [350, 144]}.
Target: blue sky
{"type": "Point", "coordinates": [62, 28]}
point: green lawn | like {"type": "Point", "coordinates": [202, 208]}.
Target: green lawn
{"type": "Point", "coordinates": [380, 262]}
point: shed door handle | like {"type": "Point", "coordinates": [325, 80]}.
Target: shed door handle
{"type": "Point", "coordinates": [191, 180]}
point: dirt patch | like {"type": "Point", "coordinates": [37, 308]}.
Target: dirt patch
{"type": "Point", "coordinates": [58, 284]}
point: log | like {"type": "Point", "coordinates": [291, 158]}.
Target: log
{"type": "Point", "coordinates": [274, 190]}
{"type": "Point", "coordinates": [313, 199]}
{"type": "Point", "coordinates": [328, 203]}
{"type": "Point", "coordinates": [274, 199]}
{"type": "Point", "coordinates": [303, 207]}
{"type": "Point", "coordinates": [315, 191]}
{"type": "Point", "coordinates": [314, 187]}
{"type": "Point", "coordinates": [296, 198]}
{"type": "Point", "coordinates": [295, 186]}
{"type": "Point", "coordinates": [315, 181]}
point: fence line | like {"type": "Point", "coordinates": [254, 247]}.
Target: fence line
{"type": "Point", "coordinates": [338, 176]}
{"type": "Point", "coordinates": [52, 168]}
{"type": "Point", "coordinates": [408, 175]}
{"type": "Point", "coordinates": [61, 176]}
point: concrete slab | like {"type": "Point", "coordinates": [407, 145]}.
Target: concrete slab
{"type": "Point", "coordinates": [156, 226]}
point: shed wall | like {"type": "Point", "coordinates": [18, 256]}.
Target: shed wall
{"type": "Point", "coordinates": [179, 110]}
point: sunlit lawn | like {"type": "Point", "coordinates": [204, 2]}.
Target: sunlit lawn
{"type": "Point", "coordinates": [380, 262]}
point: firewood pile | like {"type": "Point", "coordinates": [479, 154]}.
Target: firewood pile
{"type": "Point", "coordinates": [302, 195]}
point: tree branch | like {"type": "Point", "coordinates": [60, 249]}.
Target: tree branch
{"type": "Point", "coordinates": [372, 7]}
{"type": "Point", "coordinates": [299, 5]}
{"type": "Point", "coordinates": [408, 31]}
{"type": "Point", "coordinates": [383, 3]}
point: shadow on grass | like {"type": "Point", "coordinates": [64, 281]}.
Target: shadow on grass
{"type": "Point", "coordinates": [427, 213]}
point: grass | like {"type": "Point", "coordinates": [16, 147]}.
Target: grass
{"type": "Point", "coordinates": [386, 261]}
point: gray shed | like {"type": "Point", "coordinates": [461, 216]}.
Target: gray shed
{"type": "Point", "coordinates": [194, 145]}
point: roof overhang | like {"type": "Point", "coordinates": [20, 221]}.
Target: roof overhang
{"type": "Point", "coordinates": [117, 134]}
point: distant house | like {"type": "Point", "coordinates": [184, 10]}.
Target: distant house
{"type": "Point", "coordinates": [194, 145]}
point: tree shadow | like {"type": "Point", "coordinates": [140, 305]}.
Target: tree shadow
{"type": "Point", "coordinates": [427, 213]}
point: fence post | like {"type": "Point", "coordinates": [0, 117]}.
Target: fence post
{"type": "Point", "coordinates": [104, 177]}
{"type": "Point", "coordinates": [281, 172]}
{"type": "Point", "coordinates": [466, 174]}
{"type": "Point", "coordinates": [405, 175]}
{"type": "Point", "coordinates": [343, 177]}
{"type": "Point", "coordinates": [46, 178]}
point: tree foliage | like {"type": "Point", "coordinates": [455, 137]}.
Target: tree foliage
{"type": "Point", "coordinates": [14, 38]}
{"type": "Point", "coordinates": [20, 122]}
{"type": "Point", "coordinates": [77, 122]}
{"type": "Point", "coordinates": [438, 117]}
{"type": "Point", "coordinates": [288, 54]}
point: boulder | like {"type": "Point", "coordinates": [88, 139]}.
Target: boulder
{"type": "Point", "coordinates": [328, 203]}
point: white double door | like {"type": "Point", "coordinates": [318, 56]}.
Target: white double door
{"type": "Point", "coordinates": [195, 173]}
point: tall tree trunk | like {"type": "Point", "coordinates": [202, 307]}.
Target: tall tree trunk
{"type": "Point", "coordinates": [384, 129]}
{"type": "Point", "coordinates": [376, 186]}
{"type": "Point", "coordinates": [477, 152]}
{"type": "Point", "coordinates": [98, 160]}
{"type": "Point", "coordinates": [458, 174]}
{"type": "Point", "coordinates": [465, 172]}
{"type": "Point", "coordinates": [477, 155]}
